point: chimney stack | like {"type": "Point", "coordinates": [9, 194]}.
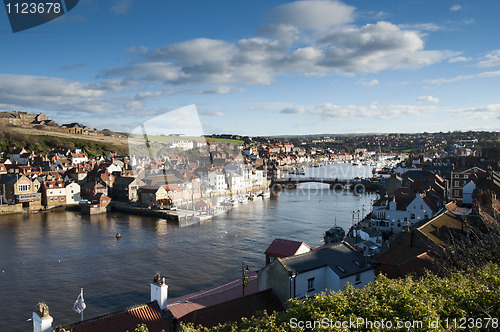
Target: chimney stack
{"type": "Point", "coordinates": [42, 321]}
{"type": "Point", "coordinates": [159, 291]}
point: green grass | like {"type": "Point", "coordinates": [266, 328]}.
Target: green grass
{"type": "Point", "coordinates": [167, 139]}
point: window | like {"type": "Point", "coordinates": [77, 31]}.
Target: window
{"type": "Point", "coordinates": [23, 187]}
{"type": "Point", "coordinates": [310, 285]}
{"type": "Point", "coordinates": [412, 216]}
{"type": "Point", "coordinates": [456, 183]}
{"type": "Point", "coordinates": [358, 278]}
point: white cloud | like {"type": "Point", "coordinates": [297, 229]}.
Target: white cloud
{"type": "Point", "coordinates": [422, 26]}
{"type": "Point", "coordinates": [24, 91]}
{"type": "Point", "coordinates": [211, 113]}
{"type": "Point", "coordinates": [258, 60]}
{"type": "Point", "coordinates": [426, 99]}
{"type": "Point", "coordinates": [458, 78]}
{"type": "Point", "coordinates": [369, 83]}
{"type": "Point", "coordinates": [329, 111]}
{"type": "Point", "coordinates": [376, 47]}
{"type": "Point", "coordinates": [459, 59]}
{"type": "Point", "coordinates": [486, 113]}
{"type": "Point", "coordinates": [121, 7]}
{"type": "Point", "coordinates": [314, 14]}
{"type": "Point", "coordinates": [455, 8]}
{"type": "Point", "coordinates": [219, 90]}
{"type": "Point", "coordinates": [491, 59]}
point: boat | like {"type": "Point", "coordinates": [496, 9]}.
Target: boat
{"type": "Point", "coordinates": [264, 194]}
{"type": "Point", "coordinates": [334, 235]}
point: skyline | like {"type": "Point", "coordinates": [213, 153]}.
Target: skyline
{"type": "Point", "coordinates": [261, 68]}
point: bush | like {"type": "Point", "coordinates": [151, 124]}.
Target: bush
{"type": "Point", "coordinates": [427, 300]}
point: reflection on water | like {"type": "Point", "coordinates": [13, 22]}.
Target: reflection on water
{"type": "Point", "coordinates": [50, 256]}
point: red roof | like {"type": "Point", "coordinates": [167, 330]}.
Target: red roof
{"type": "Point", "coordinates": [234, 310]}
{"type": "Point", "coordinates": [284, 248]}
{"type": "Point", "coordinates": [230, 290]}
{"type": "Point", "coordinates": [124, 320]}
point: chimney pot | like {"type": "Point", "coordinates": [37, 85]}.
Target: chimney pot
{"type": "Point", "coordinates": [159, 291]}
{"type": "Point", "coordinates": [42, 321]}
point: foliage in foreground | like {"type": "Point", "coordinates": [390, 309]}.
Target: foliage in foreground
{"type": "Point", "coordinates": [474, 294]}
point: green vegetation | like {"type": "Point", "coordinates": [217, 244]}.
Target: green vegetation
{"type": "Point", "coordinates": [11, 139]}
{"type": "Point", "coordinates": [431, 300]}
{"type": "Point", "coordinates": [166, 139]}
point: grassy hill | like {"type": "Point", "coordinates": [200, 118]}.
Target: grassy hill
{"type": "Point", "coordinates": [42, 141]}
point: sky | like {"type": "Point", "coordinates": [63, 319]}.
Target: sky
{"type": "Point", "coordinates": [261, 67]}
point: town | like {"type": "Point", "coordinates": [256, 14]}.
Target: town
{"type": "Point", "coordinates": [429, 187]}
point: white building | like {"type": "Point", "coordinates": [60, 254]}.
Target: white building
{"type": "Point", "coordinates": [72, 193]}
{"type": "Point", "coordinates": [217, 181]}
{"type": "Point", "coordinates": [183, 145]}
{"type": "Point", "coordinates": [393, 214]}
{"type": "Point", "coordinates": [235, 181]}
{"type": "Point", "coordinates": [327, 268]}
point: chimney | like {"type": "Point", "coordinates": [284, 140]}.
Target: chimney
{"type": "Point", "coordinates": [159, 291]}
{"type": "Point", "coordinates": [42, 321]}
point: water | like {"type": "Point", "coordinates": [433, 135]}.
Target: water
{"type": "Point", "coordinates": [49, 256]}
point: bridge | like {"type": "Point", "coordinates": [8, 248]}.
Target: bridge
{"type": "Point", "coordinates": [335, 183]}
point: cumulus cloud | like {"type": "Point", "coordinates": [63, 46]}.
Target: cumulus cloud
{"type": "Point", "coordinates": [455, 8]}
{"type": "Point", "coordinates": [24, 91]}
{"type": "Point", "coordinates": [374, 110]}
{"type": "Point", "coordinates": [458, 78]}
{"type": "Point", "coordinates": [487, 113]}
{"type": "Point", "coordinates": [211, 113]}
{"type": "Point", "coordinates": [422, 26]}
{"type": "Point", "coordinates": [258, 60]}
{"type": "Point", "coordinates": [426, 99]}
{"type": "Point", "coordinates": [369, 83]}
{"type": "Point", "coordinates": [491, 59]}
{"type": "Point", "coordinates": [459, 59]}
{"type": "Point", "coordinates": [314, 14]}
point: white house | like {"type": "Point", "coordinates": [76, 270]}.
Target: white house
{"type": "Point", "coordinates": [327, 268]}
{"type": "Point", "coordinates": [217, 181]}
{"type": "Point", "coordinates": [235, 181]}
{"type": "Point", "coordinates": [392, 214]}
{"type": "Point", "coordinates": [467, 191]}
{"type": "Point", "coordinates": [78, 158]}
{"type": "Point", "coordinates": [370, 234]}
{"type": "Point", "coordinates": [72, 193]}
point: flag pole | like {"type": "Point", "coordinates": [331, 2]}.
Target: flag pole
{"type": "Point", "coordinates": [82, 298]}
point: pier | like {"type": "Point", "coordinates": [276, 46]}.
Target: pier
{"type": "Point", "coordinates": [178, 217]}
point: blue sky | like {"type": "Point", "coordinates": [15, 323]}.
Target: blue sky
{"type": "Point", "coordinates": [261, 67]}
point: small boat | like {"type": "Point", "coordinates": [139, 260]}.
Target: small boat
{"type": "Point", "coordinates": [264, 194]}
{"type": "Point", "coordinates": [334, 235]}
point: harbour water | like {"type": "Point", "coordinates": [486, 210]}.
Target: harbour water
{"type": "Point", "coordinates": [49, 256]}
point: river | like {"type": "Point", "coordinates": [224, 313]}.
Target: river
{"type": "Point", "coordinates": [49, 256]}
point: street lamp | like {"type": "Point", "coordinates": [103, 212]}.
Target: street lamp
{"type": "Point", "coordinates": [244, 276]}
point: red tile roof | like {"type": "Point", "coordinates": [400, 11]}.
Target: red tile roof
{"type": "Point", "coordinates": [183, 305]}
{"type": "Point", "coordinates": [124, 320]}
{"type": "Point", "coordinates": [234, 310]}
{"type": "Point", "coordinates": [284, 248]}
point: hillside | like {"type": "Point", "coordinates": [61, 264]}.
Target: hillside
{"type": "Point", "coordinates": [42, 141]}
